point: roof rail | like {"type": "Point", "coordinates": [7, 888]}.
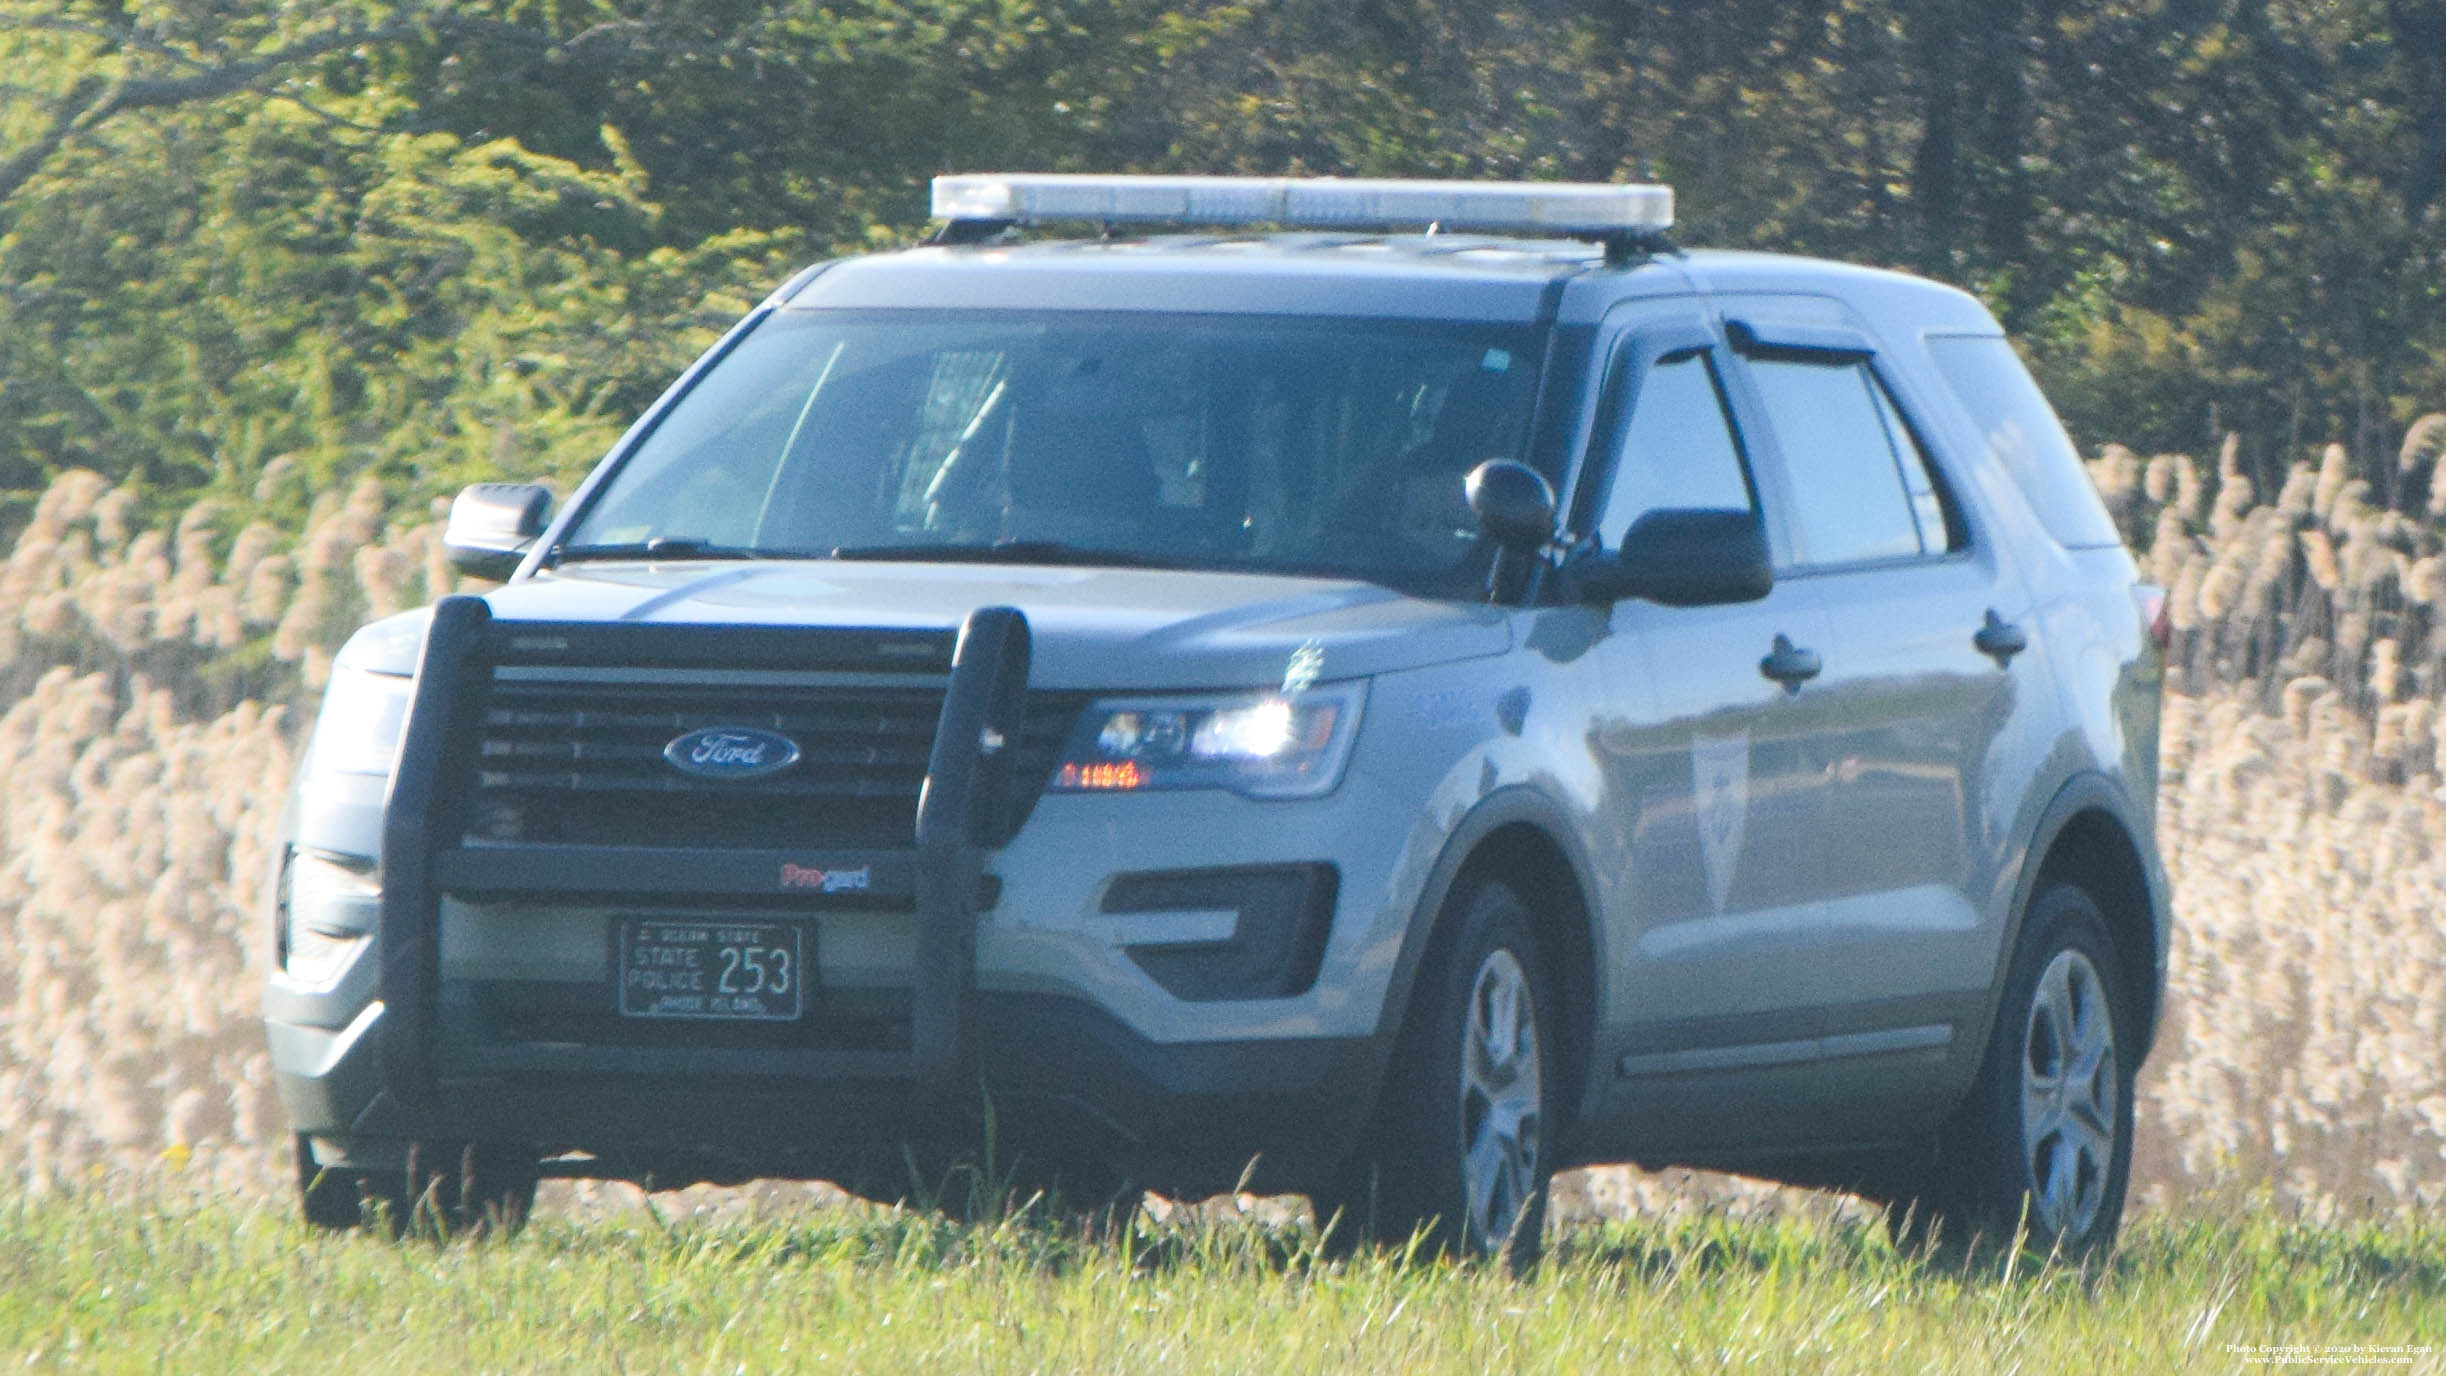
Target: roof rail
{"type": "Point", "coordinates": [976, 206]}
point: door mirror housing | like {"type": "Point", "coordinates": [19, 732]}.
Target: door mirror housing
{"type": "Point", "coordinates": [492, 525]}
{"type": "Point", "coordinates": [1680, 557]}
{"type": "Point", "coordinates": [1513, 504]}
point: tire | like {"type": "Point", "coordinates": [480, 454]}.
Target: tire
{"type": "Point", "coordinates": [471, 1188]}
{"type": "Point", "coordinates": [1083, 1195]}
{"type": "Point", "coordinates": [445, 1190]}
{"type": "Point", "coordinates": [335, 1198]}
{"type": "Point", "coordinates": [2042, 1151]}
{"type": "Point", "coordinates": [1459, 1157]}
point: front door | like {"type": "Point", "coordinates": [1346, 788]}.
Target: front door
{"type": "Point", "coordinates": [1715, 844]}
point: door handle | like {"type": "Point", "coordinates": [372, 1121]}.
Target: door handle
{"type": "Point", "coordinates": [2000, 639]}
{"type": "Point", "coordinates": [1789, 664]}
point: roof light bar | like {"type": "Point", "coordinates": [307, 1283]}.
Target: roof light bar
{"type": "Point", "coordinates": [1578, 209]}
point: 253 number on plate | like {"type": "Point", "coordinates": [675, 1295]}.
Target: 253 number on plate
{"type": "Point", "coordinates": [731, 970]}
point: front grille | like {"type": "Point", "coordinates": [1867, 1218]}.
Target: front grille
{"type": "Point", "coordinates": [581, 763]}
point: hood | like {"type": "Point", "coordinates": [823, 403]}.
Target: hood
{"type": "Point", "coordinates": [1093, 628]}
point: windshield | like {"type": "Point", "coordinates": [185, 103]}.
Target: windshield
{"type": "Point", "coordinates": [1297, 445]}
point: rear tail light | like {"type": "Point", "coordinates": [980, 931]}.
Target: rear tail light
{"type": "Point", "coordinates": [2153, 604]}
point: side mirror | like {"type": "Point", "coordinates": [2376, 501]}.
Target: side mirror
{"type": "Point", "coordinates": [1514, 505]}
{"type": "Point", "coordinates": [492, 525]}
{"type": "Point", "coordinates": [1681, 557]}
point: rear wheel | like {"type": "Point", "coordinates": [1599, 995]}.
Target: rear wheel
{"type": "Point", "coordinates": [2043, 1149]}
{"type": "Point", "coordinates": [1460, 1154]}
{"type": "Point", "coordinates": [1084, 1194]}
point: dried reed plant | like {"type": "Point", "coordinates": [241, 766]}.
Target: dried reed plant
{"type": "Point", "coordinates": [153, 684]}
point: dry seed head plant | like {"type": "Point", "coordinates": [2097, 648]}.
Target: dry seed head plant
{"type": "Point", "coordinates": [155, 683]}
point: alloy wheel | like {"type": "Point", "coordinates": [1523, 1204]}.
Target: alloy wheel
{"type": "Point", "coordinates": [2070, 1083]}
{"type": "Point", "coordinates": [1502, 1100]}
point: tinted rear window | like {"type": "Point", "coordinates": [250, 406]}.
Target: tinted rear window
{"type": "Point", "coordinates": [1847, 490]}
{"type": "Point", "coordinates": [2023, 434]}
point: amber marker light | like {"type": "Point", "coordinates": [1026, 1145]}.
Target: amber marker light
{"type": "Point", "coordinates": [1101, 776]}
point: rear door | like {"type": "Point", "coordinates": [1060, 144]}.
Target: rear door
{"type": "Point", "coordinates": [1931, 692]}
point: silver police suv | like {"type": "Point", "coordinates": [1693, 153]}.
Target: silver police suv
{"type": "Point", "coordinates": [1304, 703]}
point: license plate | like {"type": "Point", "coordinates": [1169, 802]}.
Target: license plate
{"type": "Point", "coordinates": [718, 969]}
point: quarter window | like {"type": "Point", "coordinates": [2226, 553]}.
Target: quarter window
{"type": "Point", "coordinates": [1675, 449]}
{"type": "Point", "coordinates": [1861, 490]}
{"type": "Point", "coordinates": [2023, 434]}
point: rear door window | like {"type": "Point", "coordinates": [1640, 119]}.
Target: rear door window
{"type": "Point", "coordinates": [1845, 458]}
{"type": "Point", "coordinates": [1936, 532]}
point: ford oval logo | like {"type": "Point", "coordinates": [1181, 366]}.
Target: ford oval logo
{"type": "Point", "coordinates": [731, 752]}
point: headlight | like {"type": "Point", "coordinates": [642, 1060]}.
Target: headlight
{"type": "Point", "coordinates": [1264, 746]}
{"type": "Point", "coordinates": [358, 730]}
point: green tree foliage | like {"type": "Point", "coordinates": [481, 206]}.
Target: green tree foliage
{"type": "Point", "coordinates": [309, 270]}
{"type": "Point", "coordinates": [2202, 215]}
{"type": "Point", "coordinates": [436, 238]}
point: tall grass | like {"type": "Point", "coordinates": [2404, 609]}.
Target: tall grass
{"type": "Point", "coordinates": [154, 683]}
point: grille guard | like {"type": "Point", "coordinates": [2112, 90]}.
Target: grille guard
{"type": "Point", "coordinates": [963, 800]}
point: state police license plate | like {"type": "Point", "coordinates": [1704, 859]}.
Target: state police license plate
{"type": "Point", "coordinates": [686, 968]}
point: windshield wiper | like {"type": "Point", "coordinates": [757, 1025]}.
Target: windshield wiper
{"type": "Point", "coordinates": [1011, 552]}
{"type": "Point", "coordinates": [664, 547]}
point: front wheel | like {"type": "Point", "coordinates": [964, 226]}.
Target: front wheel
{"type": "Point", "coordinates": [444, 1189]}
{"type": "Point", "coordinates": [2043, 1149]}
{"type": "Point", "coordinates": [1461, 1153]}
{"type": "Point", "coordinates": [335, 1198]}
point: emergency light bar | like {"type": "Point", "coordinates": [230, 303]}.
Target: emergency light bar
{"type": "Point", "coordinates": [1585, 210]}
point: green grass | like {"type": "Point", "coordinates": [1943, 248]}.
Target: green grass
{"type": "Point", "coordinates": [111, 1283]}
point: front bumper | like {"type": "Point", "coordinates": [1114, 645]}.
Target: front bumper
{"type": "Point", "coordinates": [1013, 1069]}
{"type": "Point", "coordinates": [1059, 1081]}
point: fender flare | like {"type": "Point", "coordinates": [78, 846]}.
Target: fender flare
{"type": "Point", "coordinates": [2083, 793]}
{"type": "Point", "coordinates": [1512, 805]}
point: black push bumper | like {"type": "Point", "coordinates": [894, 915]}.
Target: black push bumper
{"type": "Point", "coordinates": [1053, 1074]}
{"type": "Point", "coordinates": [423, 856]}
